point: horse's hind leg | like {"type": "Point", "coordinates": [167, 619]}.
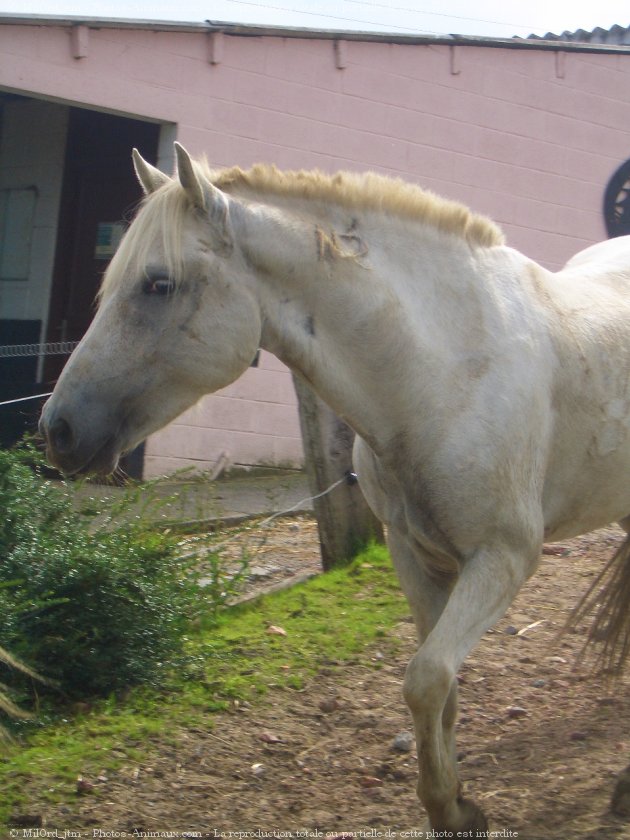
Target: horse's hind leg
{"type": "Point", "coordinates": [483, 591]}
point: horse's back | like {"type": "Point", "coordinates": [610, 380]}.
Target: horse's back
{"type": "Point", "coordinates": [587, 480]}
{"type": "Point", "coordinates": [605, 260]}
{"type": "Point", "coordinates": [593, 289]}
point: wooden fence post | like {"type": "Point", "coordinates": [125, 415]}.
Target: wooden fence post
{"type": "Point", "coordinates": [345, 522]}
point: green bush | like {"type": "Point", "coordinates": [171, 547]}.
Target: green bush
{"type": "Point", "coordinates": [94, 608]}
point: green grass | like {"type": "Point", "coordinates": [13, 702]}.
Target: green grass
{"type": "Point", "coordinates": [332, 618]}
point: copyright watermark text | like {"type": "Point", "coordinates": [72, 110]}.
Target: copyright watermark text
{"type": "Point", "coordinates": [259, 834]}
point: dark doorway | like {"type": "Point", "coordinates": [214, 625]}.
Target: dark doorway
{"type": "Point", "coordinates": [99, 194]}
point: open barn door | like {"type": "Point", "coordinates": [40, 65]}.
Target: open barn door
{"type": "Point", "coordinates": [99, 194]}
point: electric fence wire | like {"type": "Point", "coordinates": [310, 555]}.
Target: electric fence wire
{"type": "Point", "coordinates": [349, 478]}
{"type": "Point", "coordinates": [25, 351]}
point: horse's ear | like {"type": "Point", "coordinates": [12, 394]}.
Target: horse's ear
{"type": "Point", "coordinates": [150, 178]}
{"type": "Point", "coordinates": [204, 195]}
{"type": "Point", "coordinates": [188, 178]}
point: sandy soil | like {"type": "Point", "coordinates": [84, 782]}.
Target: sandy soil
{"type": "Point", "coordinates": [540, 742]}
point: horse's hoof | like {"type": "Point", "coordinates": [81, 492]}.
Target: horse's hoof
{"type": "Point", "coordinates": [620, 802]}
{"type": "Point", "coordinates": [468, 821]}
{"type": "Point", "coordinates": [473, 818]}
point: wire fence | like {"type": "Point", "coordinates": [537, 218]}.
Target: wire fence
{"type": "Point", "coordinates": [51, 348]}
{"type": "Point", "coordinates": [23, 351]}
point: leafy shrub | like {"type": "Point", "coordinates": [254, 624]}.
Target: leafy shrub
{"type": "Point", "coordinates": [95, 608]}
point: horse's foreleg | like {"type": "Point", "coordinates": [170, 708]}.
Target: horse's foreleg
{"type": "Point", "coordinates": [431, 695]}
{"type": "Point", "coordinates": [485, 588]}
{"type": "Point", "coordinates": [427, 597]}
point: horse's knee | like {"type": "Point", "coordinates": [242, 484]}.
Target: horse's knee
{"type": "Point", "coordinates": [428, 685]}
{"type": "Point", "coordinates": [449, 716]}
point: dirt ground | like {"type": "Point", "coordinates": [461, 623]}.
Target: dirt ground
{"type": "Point", "coordinates": [540, 743]}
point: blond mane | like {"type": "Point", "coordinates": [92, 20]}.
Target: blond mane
{"type": "Point", "coordinates": [364, 191]}
{"type": "Point", "coordinates": [166, 210]}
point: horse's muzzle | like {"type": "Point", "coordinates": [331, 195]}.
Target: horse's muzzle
{"type": "Point", "coordinates": [59, 436]}
{"type": "Point", "coordinates": [75, 453]}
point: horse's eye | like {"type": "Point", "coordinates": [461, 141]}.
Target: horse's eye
{"type": "Point", "coordinates": [162, 286]}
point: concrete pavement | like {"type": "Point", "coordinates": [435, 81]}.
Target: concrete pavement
{"type": "Point", "coordinates": [224, 500]}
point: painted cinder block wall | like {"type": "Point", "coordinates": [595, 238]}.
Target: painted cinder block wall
{"type": "Point", "coordinates": [528, 136]}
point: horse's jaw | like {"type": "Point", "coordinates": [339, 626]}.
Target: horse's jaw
{"type": "Point", "coordinates": [87, 430]}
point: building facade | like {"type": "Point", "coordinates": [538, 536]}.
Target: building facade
{"type": "Point", "coordinates": [528, 132]}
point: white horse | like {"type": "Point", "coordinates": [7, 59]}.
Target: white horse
{"type": "Point", "coordinates": [490, 397]}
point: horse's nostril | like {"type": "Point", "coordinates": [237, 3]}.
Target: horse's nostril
{"type": "Point", "coordinates": [60, 436]}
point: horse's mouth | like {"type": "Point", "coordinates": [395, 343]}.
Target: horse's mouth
{"type": "Point", "coordinates": [102, 462]}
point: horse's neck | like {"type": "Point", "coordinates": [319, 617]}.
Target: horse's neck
{"type": "Point", "coordinates": [362, 329]}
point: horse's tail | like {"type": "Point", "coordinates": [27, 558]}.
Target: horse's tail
{"type": "Point", "coordinates": [608, 599]}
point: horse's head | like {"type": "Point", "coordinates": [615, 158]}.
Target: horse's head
{"type": "Point", "coordinates": [178, 317]}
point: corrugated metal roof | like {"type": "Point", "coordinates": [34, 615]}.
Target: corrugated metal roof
{"type": "Point", "coordinates": [615, 36]}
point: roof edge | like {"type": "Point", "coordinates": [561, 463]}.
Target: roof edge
{"type": "Point", "coordinates": [7, 19]}
{"type": "Point", "coordinates": [256, 30]}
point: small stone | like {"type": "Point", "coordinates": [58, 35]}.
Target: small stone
{"type": "Point", "coordinates": [258, 769]}
{"type": "Point", "coordinates": [539, 683]}
{"type": "Point", "coordinates": [556, 550]}
{"type": "Point", "coordinates": [514, 712]}
{"type": "Point", "coordinates": [370, 781]}
{"type": "Point", "coordinates": [84, 785]}
{"type": "Point", "coordinates": [403, 742]}
{"type": "Point", "coordinates": [258, 573]}
{"type": "Point", "coordinates": [329, 705]}
{"type": "Point", "coordinates": [294, 527]}
{"type": "Point", "coordinates": [511, 630]}
{"type": "Point", "coordinates": [578, 736]}
{"type": "Point", "coordinates": [270, 738]}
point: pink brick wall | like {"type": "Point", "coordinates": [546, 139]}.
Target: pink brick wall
{"type": "Point", "coordinates": [253, 421]}
{"type": "Point", "coordinates": [530, 137]}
